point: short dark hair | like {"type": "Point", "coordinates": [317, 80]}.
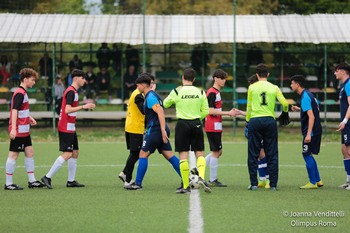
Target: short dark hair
{"type": "Point", "coordinates": [252, 79]}
{"type": "Point", "coordinates": [262, 70]}
{"type": "Point", "coordinates": [189, 74]}
{"type": "Point", "coordinates": [144, 78]}
{"type": "Point", "coordinates": [343, 66]}
{"type": "Point", "coordinates": [78, 73]}
{"type": "Point", "coordinates": [300, 79]}
{"type": "Point", "coordinates": [27, 73]}
{"type": "Point", "coordinates": [220, 74]}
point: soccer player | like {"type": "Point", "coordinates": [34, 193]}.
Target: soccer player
{"type": "Point", "coordinates": [134, 129]}
{"type": "Point", "coordinates": [157, 132]}
{"type": "Point", "coordinates": [19, 125]}
{"type": "Point", "coordinates": [311, 130]}
{"type": "Point", "coordinates": [262, 126]}
{"type": "Point", "coordinates": [68, 138]}
{"type": "Point", "coordinates": [191, 108]}
{"type": "Point", "coordinates": [213, 125]}
{"type": "Point", "coordinates": [341, 73]}
{"type": "Point", "coordinates": [264, 181]}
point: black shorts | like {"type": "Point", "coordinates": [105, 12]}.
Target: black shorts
{"type": "Point", "coordinates": [20, 143]}
{"type": "Point", "coordinates": [189, 135]}
{"type": "Point", "coordinates": [133, 141]}
{"type": "Point", "coordinates": [214, 139]}
{"type": "Point", "coordinates": [312, 147]}
{"type": "Point", "coordinates": [68, 141]}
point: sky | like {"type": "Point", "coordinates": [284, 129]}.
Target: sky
{"type": "Point", "coordinates": [96, 9]}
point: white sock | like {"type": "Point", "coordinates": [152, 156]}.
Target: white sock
{"type": "Point", "coordinates": [10, 169]}
{"type": "Point", "coordinates": [29, 163]}
{"type": "Point", "coordinates": [348, 177]}
{"type": "Point", "coordinates": [72, 168]}
{"type": "Point", "coordinates": [207, 159]}
{"type": "Point", "coordinates": [55, 167]}
{"type": "Point", "coordinates": [213, 168]}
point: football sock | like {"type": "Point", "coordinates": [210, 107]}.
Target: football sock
{"type": "Point", "coordinates": [55, 167]}
{"type": "Point", "coordinates": [201, 166]}
{"type": "Point", "coordinates": [347, 167]}
{"type": "Point", "coordinates": [72, 168]}
{"type": "Point", "coordinates": [213, 168]}
{"type": "Point", "coordinates": [141, 170]}
{"type": "Point", "coordinates": [29, 163]}
{"type": "Point", "coordinates": [10, 168]}
{"type": "Point", "coordinates": [317, 173]}
{"type": "Point", "coordinates": [264, 165]}
{"type": "Point", "coordinates": [130, 164]}
{"type": "Point", "coordinates": [207, 159]}
{"type": "Point", "coordinates": [175, 162]}
{"type": "Point", "coordinates": [185, 172]}
{"type": "Point", "coordinates": [310, 167]}
{"type": "Point", "coordinates": [261, 170]}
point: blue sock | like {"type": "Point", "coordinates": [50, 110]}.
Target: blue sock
{"type": "Point", "coordinates": [310, 167]}
{"type": "Point", "coordinates": [264, 165]}
{"type": "Point", "coordinates": [317, 174]}
{"type": "Point", "coordinates": [261, 170]}
{"type": "Point", "coordinates": [141, 170]}
{"type": "Point", "coordinates": [176, 164]}
{"type": "Point", "coordinates": [347, 166]}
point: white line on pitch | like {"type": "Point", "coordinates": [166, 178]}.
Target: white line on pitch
{"type": "Point", "coordinates": [195, 217]}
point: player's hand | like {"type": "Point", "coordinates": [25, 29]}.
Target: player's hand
{"type": "Point", "coordinates": [32, 121]}
{"type": "Point", "coordinates": [295, 108]}
{"type": "Point", "coordinates": [12, 134]}
{"type": "Point", "coordinates": [233, 112]}
{"type": "Point", "coordinates": [165, 136]}
{"type": "Point", "coordinates": [341, 126]}
{"type": "Point", "coordinates": [307, 138]}
{"type": "Point", "coordinates": [89, 106]}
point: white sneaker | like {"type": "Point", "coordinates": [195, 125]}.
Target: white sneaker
{"type": "Point", "coordinates": [348, 188]}
{"type": "Point", "coordinates": [128, 184]}
{"type": "Point", "coordinates": [345, 185]}
{"type": "Point", "coordinates": [122, 176]}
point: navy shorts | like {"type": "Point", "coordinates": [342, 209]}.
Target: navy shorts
{"type": "Point", "coordinates": [214, 139]}
{"type": "Point", "coordinates": [345, 133]}
{"type": "Point", "coordinates": [133, 141]}
{"type": "Point", "coordinates": [68, 141]}
{"type": "Point", "coordinates": [20, 143]}
{"type": "Point", "coordinates": [153, 140]}
{"type": "Point", "coordinates": [312, 147]}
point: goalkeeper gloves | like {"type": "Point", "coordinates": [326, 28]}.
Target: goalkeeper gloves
{"type": "Point", "coordinates": [284, 119]}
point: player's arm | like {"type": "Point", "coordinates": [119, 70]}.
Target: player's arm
{"type": "Point", "coordinates": [170, 99]}
{"type": "Point", "coordinates": [14, 123]}
{"type": "Point", "coordinates": [204, 107]}
{"type": "Point", "coordinates": [310, 126]}
{"type": "Point", "coordinates": [249, 105]}
{"type": "Point", "coordinates": [213, 111]}
{"type": "Point", "coordinates": [17, 104]}
{"type": "Point", "coordinates": [347, 116]}
{"type": "Point", "coordinates": [282, 100]}
{"type": "Point", "coordinates": [139, 100]}
{"type": "Point", "coordinates": [160, 112]}
{"type": "Point", "coordinates": [69, 101]}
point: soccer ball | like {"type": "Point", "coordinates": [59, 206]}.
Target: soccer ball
{"type": "Point", "coordinates": [194, 181]}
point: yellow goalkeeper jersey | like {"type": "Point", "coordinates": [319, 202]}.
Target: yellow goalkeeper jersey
{"type": "Point", "coordinates": [261, 100]}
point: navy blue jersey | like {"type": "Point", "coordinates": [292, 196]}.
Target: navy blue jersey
{"type": "Point", "coordinates": [152, 99]}
{"type": "Point", "coordinates": [343, 97]}
{"type": "Point", "coordinates": [309, 102]}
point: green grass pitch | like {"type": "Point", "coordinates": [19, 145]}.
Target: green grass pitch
{"type": "Point", "coordinates": [104, 206]}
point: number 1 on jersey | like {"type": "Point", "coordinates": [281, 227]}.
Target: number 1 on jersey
{"type": "Point", "coordinates": [263, 98]}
